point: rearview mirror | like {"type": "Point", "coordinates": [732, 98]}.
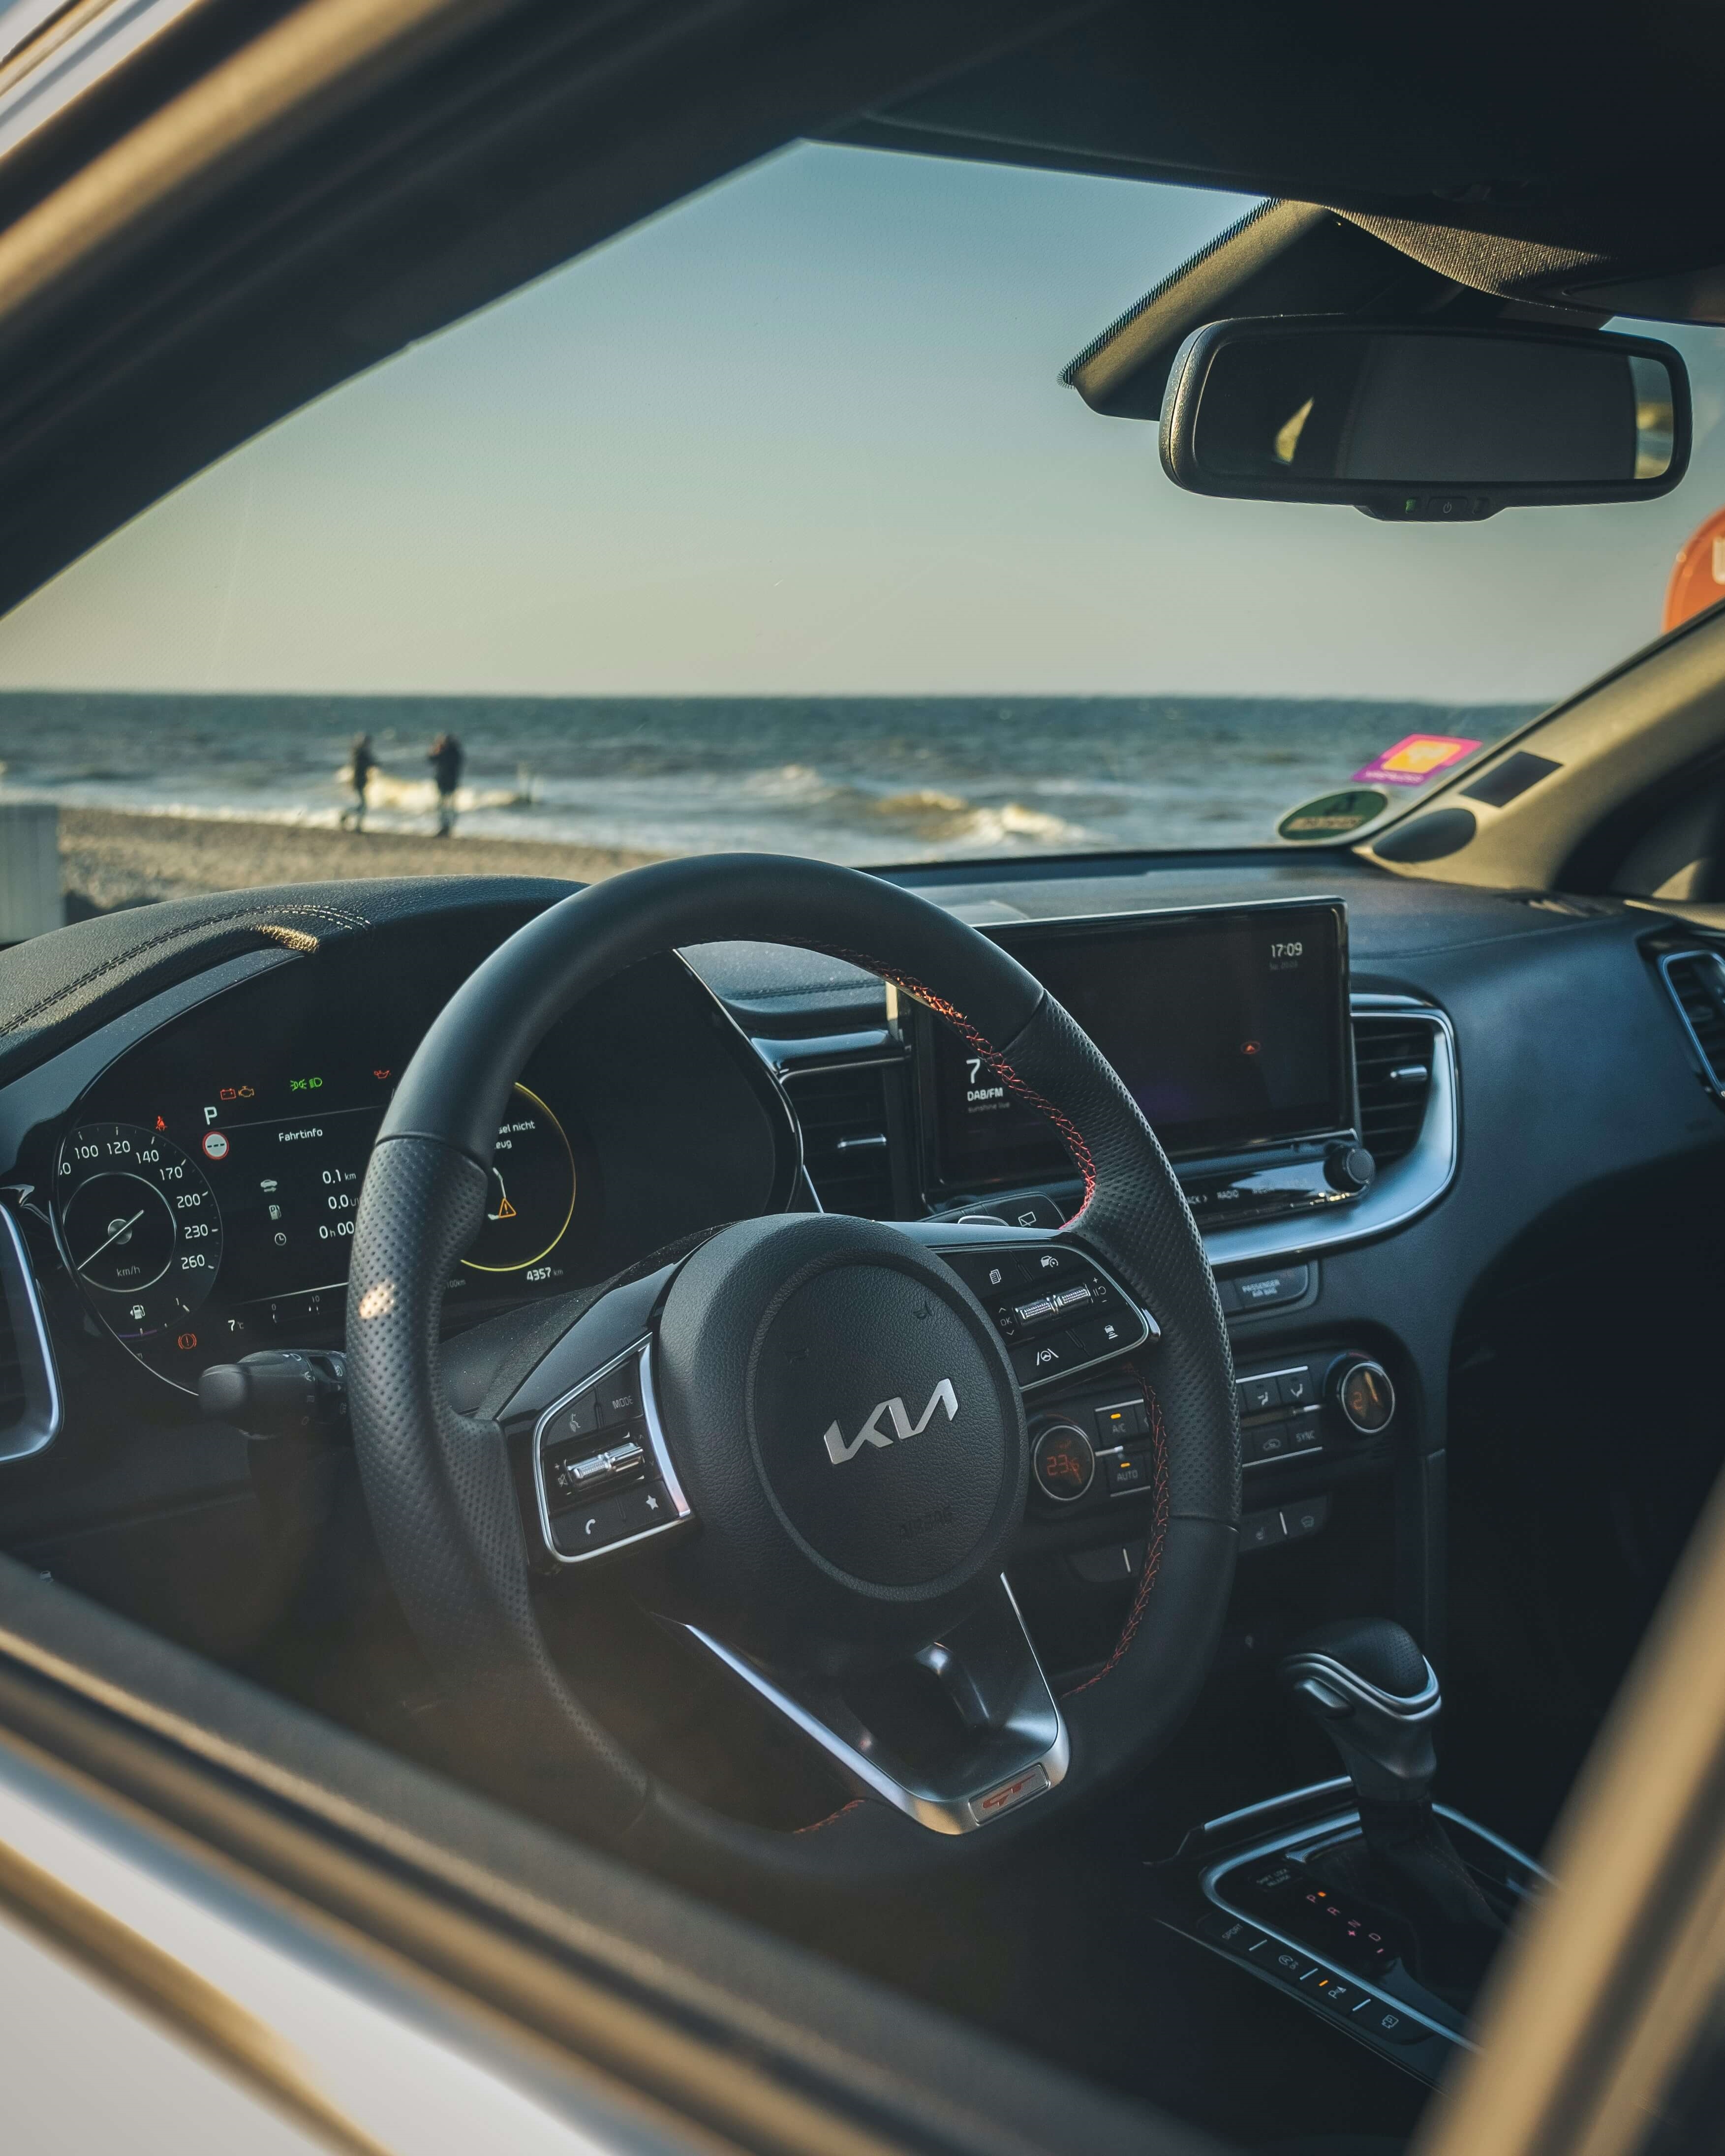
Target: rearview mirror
{"type": "Point", "coordinates": [1417, 423]}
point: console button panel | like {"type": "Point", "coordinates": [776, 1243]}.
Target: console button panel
{"type": "Point", "coordinates": [1289, 1410]}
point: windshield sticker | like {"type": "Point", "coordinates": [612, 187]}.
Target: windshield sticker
{"type": "Point", "coordinates": [1330, 816]}
{"type": "Point", "coordinates": [1415, 758]}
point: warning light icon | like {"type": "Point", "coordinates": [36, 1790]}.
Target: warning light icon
{"type": "Point", "coordinates": [505, 1211]}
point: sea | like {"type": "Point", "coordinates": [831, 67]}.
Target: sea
{"type": "Point", "coordinates": [857, 779]}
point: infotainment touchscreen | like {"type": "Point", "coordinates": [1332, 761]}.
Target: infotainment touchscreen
{"type": "Point", "coordinates": [1229, 1027]}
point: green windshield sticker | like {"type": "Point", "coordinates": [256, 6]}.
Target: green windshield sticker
{"type": "Point", "coordinates": [1331, 816]}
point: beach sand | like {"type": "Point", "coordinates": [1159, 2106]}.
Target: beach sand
{"type": "Point", "coordinates": [109, 859]}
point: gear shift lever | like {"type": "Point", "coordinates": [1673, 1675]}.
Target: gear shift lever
{"type": "Point", "coordinates": [1378, 1699]}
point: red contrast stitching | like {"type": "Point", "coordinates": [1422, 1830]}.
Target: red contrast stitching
{"type": "Point", "coordinates": [814, 1826]}
{"type": "Point", "coordinates": [1153, 1554]}
{"type": "Point", "coordinates": [1071, 1136]}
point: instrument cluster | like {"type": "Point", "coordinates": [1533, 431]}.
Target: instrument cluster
{"type": "Point", "coordinates": [203, 1189]}
{"type": "Point", "coordinates": [218, 1223]}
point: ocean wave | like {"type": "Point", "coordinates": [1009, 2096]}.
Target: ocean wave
{"type": "Point", "coordinates": [418, 797]}
{"type": "Point", "coordinates": [938, 817]}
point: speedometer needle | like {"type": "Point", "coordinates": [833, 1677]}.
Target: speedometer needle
{"type": "Point", "coordinates": [123, 1229]}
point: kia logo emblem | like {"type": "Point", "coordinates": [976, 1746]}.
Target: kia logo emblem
{"type": "Point", "coordinates": [893, 1411]}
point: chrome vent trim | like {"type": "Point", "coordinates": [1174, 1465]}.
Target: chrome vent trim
{"type": "Point", "coordinates": [846, 1112]}
{"type": "Point", "coordinates": [1406, 1189]}
{"type": "Point", "coordinates": [1392, 1054]}
{"type": "Point", "coordinates": [30, 1404]}
{"type": "Point", "coordinates": [1695, 981]}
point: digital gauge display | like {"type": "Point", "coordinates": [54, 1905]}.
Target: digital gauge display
{"type": "Point", "coordinates": [222, 1229]}
{"type": "Point", "coordinates": [140, 1226]}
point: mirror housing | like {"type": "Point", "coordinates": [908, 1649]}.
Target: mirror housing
{"type": "Point", "coordinates": [1415, 424]}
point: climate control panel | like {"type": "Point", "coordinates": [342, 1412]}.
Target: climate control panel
{"type": "Point", "coordinates": [1309, 1402]}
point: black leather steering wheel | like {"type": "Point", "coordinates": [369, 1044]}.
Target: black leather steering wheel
{"type": "Point", "coordinates": [816, 1458]}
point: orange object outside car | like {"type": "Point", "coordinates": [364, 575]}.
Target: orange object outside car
{"type": "Point", "coordinates": [1698, 574]}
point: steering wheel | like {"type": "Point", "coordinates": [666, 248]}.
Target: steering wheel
{"type": "Point", "coordinates": [804, 1441]}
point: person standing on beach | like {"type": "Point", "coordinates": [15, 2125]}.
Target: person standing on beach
{"type": "Point", "coordinates": [446, 757]}
{"type": "Point", "coordinates": [359, 768]}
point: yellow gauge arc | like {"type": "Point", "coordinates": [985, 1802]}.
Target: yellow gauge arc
{"type": "Point", "coordinates": [522, 1263]}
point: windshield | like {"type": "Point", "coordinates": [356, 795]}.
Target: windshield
{"type": "Point", "coordinates": [771, 524]}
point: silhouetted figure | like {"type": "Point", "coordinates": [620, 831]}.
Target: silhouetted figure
{"type": "Point", "coordinates": [446, 757]}
{"type": "Point", "coordinates": [359, 768]}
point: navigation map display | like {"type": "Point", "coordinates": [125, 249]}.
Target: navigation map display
{"type": "Point", "coordinates": [1228, 1028]}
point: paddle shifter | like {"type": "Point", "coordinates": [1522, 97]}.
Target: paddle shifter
{"type": "Point", "coordinates": [1378, 1699]}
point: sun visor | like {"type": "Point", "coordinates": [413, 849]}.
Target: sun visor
{"type": "Point", "coordinates": [1287, 258]}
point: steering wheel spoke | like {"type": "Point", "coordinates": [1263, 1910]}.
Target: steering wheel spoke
{"type": "Point", "coordinates": [603, 1478]}
{"type": "Point", "coordinates": [963, 1731]}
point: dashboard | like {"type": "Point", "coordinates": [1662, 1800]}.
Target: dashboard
{"type": "Point", "coordinates": [184, 1128]}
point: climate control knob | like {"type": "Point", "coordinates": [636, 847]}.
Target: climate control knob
{"type": "Point", "coordinates": [1362, 1390]}
{"type": "Point", "coordinates": [1064, 1461]}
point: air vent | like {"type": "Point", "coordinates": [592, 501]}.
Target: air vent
{"type": "Point", "coordinates": [1697, 981]}
{"type": "Point", "coordinates": [14, 1399]}
{"type": "Point", "coordinates": [847, 1149]}
{"type": "Point", "coordinates": [1393, 1055]}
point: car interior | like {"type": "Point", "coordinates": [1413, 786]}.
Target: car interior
{"type": "Point", "coordinates": [1085, 1437]}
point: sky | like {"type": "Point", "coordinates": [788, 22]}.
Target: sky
{"type": "Point", "coordinates": [804, 434]}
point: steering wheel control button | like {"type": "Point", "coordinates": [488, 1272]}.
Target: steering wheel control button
{"type": "Point", "coordinates": [1064, 1462]}
{"type": "Point", "coordinates": [610, 1521]}
{"type": "Point", "coordinates": [1102, 1336]}
{"type": "Point", "coordinates": [580, 1417]}
{"type": "Point", "coordinates": [601, 1471]}
{"type": "Point", "coordinates": [1034, 1362]}
{"type": "Point", "coordinates": [1365, 1396]}
{"type": "Point", "coordinates": [617, 1401]}
{"type": "Point", "coordinates": [1055, 1307]}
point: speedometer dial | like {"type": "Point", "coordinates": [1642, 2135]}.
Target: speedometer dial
{"type": "Point", "coordinates": [139, 1226]}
